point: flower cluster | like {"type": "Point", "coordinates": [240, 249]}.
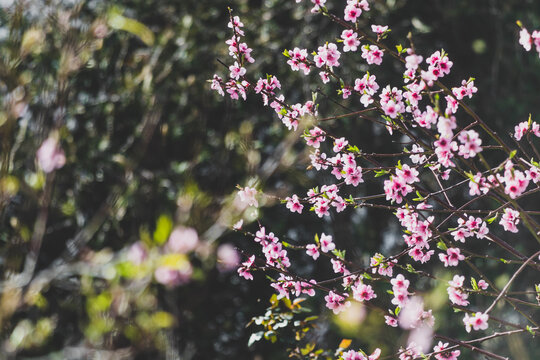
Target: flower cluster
{"type": "Point", "coordinates": [439, 145]}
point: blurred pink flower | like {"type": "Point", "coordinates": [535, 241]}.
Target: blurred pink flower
{"type": "Point", "coordinates": [50, 155]}
{"type": "Point", "coordinates": [227, 257]}
{"type": "Point", "coordinates": [173, 277]}
{"type": "Point", "coordinates": [182, 240]}
{"type": "Point", "coordinates": [137, 253]}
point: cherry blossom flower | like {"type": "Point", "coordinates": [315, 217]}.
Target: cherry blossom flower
{"type": "Point", "coordinates": [313, 251]}
{"type": "Point", "coordinates": [293, 204]}
{"type": "Point", "coordinates": [452, 257]}
{"type": "Point", "coordinates": [372, 54]}
{"type": "Point", "coordinates": [390, 321]}
{"type": "Point", "coordinates": [182, 240]}
{"type": "Point", "coordinates": [350, 40]}
{"type": "Point", "coordinates": [379, 29]}
{"type": "Point", "coordinates": [327, 55]}
{"type": "Point", "coordinates": [363, 292]}
{"type": "Point", "coordinates": [227, 257]}
{"type": "Point", "coordinates": [336, 302]}
{"type": "Point", "coordinates": [483, 285]}
{"type": "Point", "coordinates": [509, 220]}
{"type": "Point", "coordinates": [297, 60]}
{"type": "Point", "coordinates": [50, 155]}
{"type": "Point", "coordinates": [478, 321]}
{"type": "Point", "coordinates": [247, 196]}
{"type": "Point", "coordinates": [327, 243]}
{"type": "Point", "coordinates": [445, 355]}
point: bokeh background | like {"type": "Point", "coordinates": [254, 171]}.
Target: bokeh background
{"type": "Point", "coordinates": [153, 157]}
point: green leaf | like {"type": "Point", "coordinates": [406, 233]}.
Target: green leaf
{"type": "Point", "coordinates": [119, 22]}
{"type": "Point", "coordinates": [474, 284]}
{"type": "Point", "coordinates": [286, 53]}
{"type": "Point", "coordinates": [309, 347]}
{"type": "Point", "coordinates": [512, 154]}
{"type": "Point", "coordinates": [530, 329]}
{"type": "Point", "coordinates": [164, 225]}
{"type": "Point", "coordinates": [442, 246]}
{"type": "Point", "coordinates": [379, 173]}
{"type": "Point", "coordinates": [492, 219]}
{"type": "Point", "coordinates": [411, 269]}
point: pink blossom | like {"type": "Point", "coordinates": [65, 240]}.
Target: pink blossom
{"type": "Point", "coordinates": [238, 225]}
{"type": "Point", "coordinates": [412, 352]}
{"type": "Point", "coordinates": [317, 5]}
{"type": "Point", "coordinates": [372, 54]}
{"type": "Point", "coordinates": [470, 144]}
{"type": "Point", "coordinates": [173, 277]}
{"type": "Point", "coordinates": [379, 29]}
{"type": "Point", "coordinates": [324, 77]}
{"type": "Point", "coordinates": [525, 39]}
{"type": "Point", "coordinates": [445, 355]}
{"type": "Point", "coordinates": [353, 355]}
{"type": "Point", "coordinates": [293, 204]}
{"type": "Point", "coordinates": [315, 137]}
{"type": "Point", "coordinates": [399, 283]}
{"type": "Point", "coordinates": [227, 257]}
{"type": "Point", "coordinates": [521, 129]}
{"type": "Point", "coordinates": [244, 270]}
{"type": "Point", "coordinates": [313, 251]}
{"type": "Point", "coordinates": [337, 266]}
{"type": "Point", "coordinates": [236, 71]}
{"type": "Point", "coordinates": [416, 155]}
{"type": "Point", "coordinates": [390, 321]}
{"type": "Point", "coordinates": [336, 302]}
{"type": "Point", "coordinates": [363, 292]}
{"type": "Point", "coordinates": [182, 240]}
{"type": "Point", "coordinates": [478, 321]}
{"type": "Point", "coordinates": [510, 219]}
{"type": "Point", "coordinates": [327, 243]}
{"type": "Point", "coordinates": [50, 155]}
{"type": "Point", "coordinates": [327, 55]}
{"type": "Point", "coordinates": [350, 40]}
{"type": "Point", "coordinates": [452, 257]}
{"type": "Point", "coordinates": [247, 196]}
{"type": "Point", "coordinates": [297, 60]}
{"type": "Point", "coordinates": [339, 144]}
{"type": "Point", "coordinates": [483, 285]}
{"type": "Point", "coordinates": [467, 89]}
{"type": "Point", "coordinates": [137, 253]}
{"type": "Point", "coordinates": [216, 85]}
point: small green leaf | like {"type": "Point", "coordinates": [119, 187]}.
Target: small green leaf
{"type": "Point", "coordinates": [411, 269]}
{"type": "Point", "coordinates": [492, 219]}
{"type": "Point", "coordinates": [379, 173]}
{"type": "Point", "coordinates": [442, 246]}
{"type": "Point", "coordinates": [474, 284]}
{"type": "Point", "coordinates": [309, 347]}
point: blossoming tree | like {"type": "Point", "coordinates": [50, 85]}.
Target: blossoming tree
{"type": "Point", "coordinates": [448, 150]}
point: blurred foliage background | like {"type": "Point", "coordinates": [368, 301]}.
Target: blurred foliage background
{"type": "Point", "coordinates": [94, 257]}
